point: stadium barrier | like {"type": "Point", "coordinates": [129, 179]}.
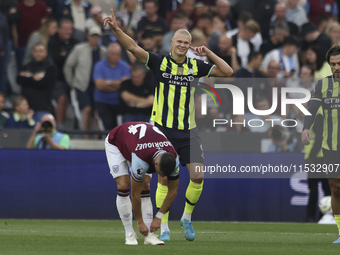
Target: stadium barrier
{"type": "Point", "coordinates": [77, 185]}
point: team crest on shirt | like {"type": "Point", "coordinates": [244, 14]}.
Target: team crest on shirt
{"type": "Point", "coordinates": [115, 168]}
{"type": "Point", "coordinates": [180, 71]}
{"type": "Point", "coordinates": [191, 71]}
{"type": "Point", "coordinates": [139, 171]}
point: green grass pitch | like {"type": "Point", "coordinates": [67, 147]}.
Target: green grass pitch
{"type": "Point", "coordinates": [66, 237]}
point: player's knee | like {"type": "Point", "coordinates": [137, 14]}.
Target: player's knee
{"type": "Point", "coordinates": [123, 182]}
{"type": "Point", "coordinates": [197, 180]}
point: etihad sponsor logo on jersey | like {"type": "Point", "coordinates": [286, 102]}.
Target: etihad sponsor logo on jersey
{"type": "Point", "coordinates": [142, 146]}
{"type": "Point", "coordinates": [332, 102]}
{"type": "Point", "coordinates": [182, 80]}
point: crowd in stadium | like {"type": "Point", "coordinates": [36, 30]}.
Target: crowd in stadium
{"type": "Point", "coordinates": [57, 55]}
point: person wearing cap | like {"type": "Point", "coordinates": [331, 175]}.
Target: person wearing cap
{"type": "Point", "coordinates": [311, 36]}
{"type": "Point", "coordinates": [78, 74]}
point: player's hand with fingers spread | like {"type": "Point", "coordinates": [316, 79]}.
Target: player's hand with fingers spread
{"type": "Point", "coordinates": [200, 51]}
{"type": "Point", "coordinates": [111, 21]}
{"type": "Point", "coordinates": [155, 225]}
{"type": "Point", "coordinates": [142, 228]}
{"type": "Point", "coordinates": [306, 136]}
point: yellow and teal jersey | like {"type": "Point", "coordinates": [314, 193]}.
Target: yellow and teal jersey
{"type": "Point", "coordinates": [175, 83]}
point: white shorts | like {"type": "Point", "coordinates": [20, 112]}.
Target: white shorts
{"type": "Point", "coordinates": [117, 163]}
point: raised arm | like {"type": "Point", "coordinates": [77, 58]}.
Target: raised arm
{"type": "Point", "coordinates": [126, 41]}
{"type": "Point", "coordinates": [222, 69]}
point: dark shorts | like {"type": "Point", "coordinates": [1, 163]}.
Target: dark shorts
{"type": "Point", "coordinates": [331, 159]}
{"type": "Point", "coordinates": [85, 99]}
{"type": "Point", "coordinates": [187, 144]}
{"type": "Point", "coordinates": [60, 89]}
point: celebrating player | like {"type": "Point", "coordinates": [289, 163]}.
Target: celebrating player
{"type": "Point", "coordinates": [173, 108]}
{"type": "Point", "coordinates": [146, 149]}
{"type": "Point", "coordinates": [326, 94]}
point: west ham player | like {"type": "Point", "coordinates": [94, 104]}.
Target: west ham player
{"type": "Point", "coordinates": [146, 150]}
{"type": "Point", "coordinates": [174, 107]}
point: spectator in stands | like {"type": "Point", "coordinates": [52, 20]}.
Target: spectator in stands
{"type": "Point", "coordinates": [253, 67]}
{"type": "Point", "coordinates": [287, 58]}
{"type": "Point", "coordinates": [138, 95]}
{"type": "Point", "coordinates": [219, 25]}
{"type": "Point", "coordinates": [178, 21]}
{"type": "Point", "coordinates": [37, 79]}
{"type": "Point", "coordinates": [311, 36]}
{"type": "Point", "coordinates": [224, 13]}
{"type": "Point", "coordinates": [3, 52]}
{"type": "Point", "coordinates": [205, 23]}
{"type": "Point", "coordinates": [295, 13]}
{"type": "Point", "coordinates": [95, 19]}
{"type": "Point", "coordinates": [262, 103]}
{"type": "Point", "coordinates": [333, 32]}
{"type": "Point", "coordinates": [261, 11]}
{"type": "Point", "coordinates": [3, 115]}
{"type": "Point", "coordinates": [32, 14]}
{"type": "Point", "coordinates": [78, 11]}
{"type": "Point", "coordinates": [152, 22]}
{"type": "Point", "coordinates": [315, 57]}
{"type": "Point", "coordinates": [78, 71]}
{"type": "Point", "coordinates": [46, 137]}
{"type": "Point", "coordinates": [324, 21]}
{"type": "Point", "coordinates": [197, 39]}
{"type": "Point", "coordinates": [242, 40]}
{"type": "Point", "coordinates": [22, 117]}
{"type": "Point", "coordinates": [108, 75]}
{"type": "Point", "coordinates": [59, 47]}
{"type": "Point", "coordinates": [240, 125]}
{"type": "Point", "coordinates": [9, 9]}
{"type": "Point", "coordinates": [130, 15]}
{"type": "Point", "coordinates": [317, 8]}
{"type": "Point", "coordinates": [204, 122]}
{"type": "Point", "coordinates": [187, 6]}
{"type": "Point", "coordinates": [282, 140]}
{"type": "Point", "coordinates": [272, 73]}
{"type": "Point", "coordinates": [105, 5]}
{"type": "Point", "coordinates": [148, 42]}
{"type": "Point", "coordinates": [279, 17]}
{"type": "Point", "coordinates": [280, 31]}
{"type": "Point", "coordinates": [228, 52]}
{"type": "Point", "coordinates": [261, 87]}
{"type": "Point", "coordinates": [48, 29]}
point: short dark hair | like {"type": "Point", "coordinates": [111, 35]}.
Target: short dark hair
{"type": "Point", "coordinates": [333, 51]}
{"type": "Point", "coordinates": [152, 1]}
{"type": "Point", "coordinates": [320, 57]}
{"type": "Point", "coordinates": [180, 15]}
{"type": "Point", "coordinates": [310, 67]}
{"type": "Point", "coordinates": [167, 163]}
{"type": "Point", "coordinates": [290, 40]}
{"type": "Point", "coordinates": [253, 55]}
{"type": "Point", "coordinates": [206, 16]}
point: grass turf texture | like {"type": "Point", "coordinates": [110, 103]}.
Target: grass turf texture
{"type": "Point", "coordinates": [44, 237]}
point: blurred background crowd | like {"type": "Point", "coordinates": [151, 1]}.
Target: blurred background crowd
{"type": "Point", "coordinates": [57, 57]}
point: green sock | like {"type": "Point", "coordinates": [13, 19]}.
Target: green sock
{"type": "Point", "coordinates": [337, 219]}
{"type": "Point", "coordinates": [192, 195]}
{"type": "Point", "coordinates": [161, 193]}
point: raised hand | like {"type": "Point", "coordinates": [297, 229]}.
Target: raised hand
{"type": "Point", "coordinates": [111, 21]}
{"type": "Point", "coordinates": [200, 51]}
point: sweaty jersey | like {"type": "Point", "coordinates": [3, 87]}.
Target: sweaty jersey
{"type": "Point", "coordinates": [140, 143]}
{"type": "Point", "coordinates": [174, 103]}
